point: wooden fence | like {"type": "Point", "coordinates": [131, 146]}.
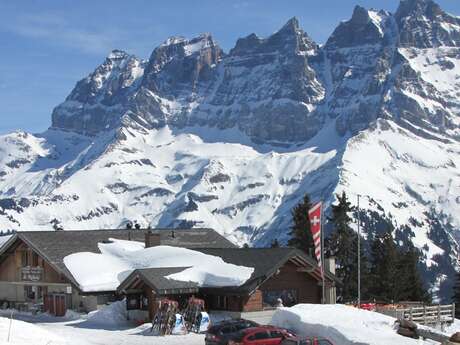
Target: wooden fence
{"type": "Point", "coordinates": [424, 315]}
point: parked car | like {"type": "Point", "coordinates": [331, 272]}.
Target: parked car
{"type": "Point", "coordinates": [262, 335]}
{"type": "Point", "coordinates": [306, 341]}
{"type": "Point", "coordinates": [222, 332]}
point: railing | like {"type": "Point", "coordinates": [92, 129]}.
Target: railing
{"type": "Point", "coordinates": [424, 315]}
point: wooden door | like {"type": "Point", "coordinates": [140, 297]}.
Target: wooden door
{"type": "Point", "coordinates": [60, 305]}
{"type": "Point", "coordinates": [48, 304]}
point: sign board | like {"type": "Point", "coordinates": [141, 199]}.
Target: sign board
{"type": "Point", "coordinates": [31, 274]}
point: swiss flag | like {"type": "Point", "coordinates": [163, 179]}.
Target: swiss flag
{"type": "Point", "coordinates": [314, 215]}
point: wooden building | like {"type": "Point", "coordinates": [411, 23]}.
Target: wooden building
{"type": "Point", "coordinates": [279, 273]}
{"type": "Point", "coordinates": [33, 274]}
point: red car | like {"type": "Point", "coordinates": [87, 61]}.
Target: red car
{"type": "Point", "coordinates": [263, 335]}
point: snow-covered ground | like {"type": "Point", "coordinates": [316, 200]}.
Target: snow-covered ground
{"type": "Point", "coordinates": [342, 324]}
{"type": "Point", "coordinates": [103, 327]}
{"type": "Point", "coordinates": [26, 333]}
{"type": "Point", "coordinates": [71, 333]}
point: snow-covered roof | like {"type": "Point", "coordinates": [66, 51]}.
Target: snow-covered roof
{"type": "Point", "coordinates": [54, 246]}
{"type": "Point", "coordinates": [117, 259]}
{"type": "Point", "coordinates": [265, 262]}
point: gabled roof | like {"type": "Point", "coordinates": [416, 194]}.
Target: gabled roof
{"type": "Point", "coordinates": [266, 262]}
{"type": "Point", "coordinates": [155, 278]}
{"type": "Point", "coordinates": [54, 246]}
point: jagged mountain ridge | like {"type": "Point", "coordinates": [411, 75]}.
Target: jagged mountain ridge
{"type": "Point", "coordinates": [194, 136]}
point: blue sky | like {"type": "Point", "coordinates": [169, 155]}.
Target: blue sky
{"type": "Point", "coordinates": [48, 45]}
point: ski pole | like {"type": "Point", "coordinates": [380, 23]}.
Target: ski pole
{"type": "Point", "coordinates": [9, 328]}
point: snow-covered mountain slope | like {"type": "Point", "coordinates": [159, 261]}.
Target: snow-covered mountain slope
{"type": "Point", "coordinates": [197, 137]}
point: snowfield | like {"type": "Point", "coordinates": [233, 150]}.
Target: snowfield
{"type": "Point", "coordinates": [104, 327]}
{"type": "Point", "coordinates": [106, 270]}
{"type": "Point", "coordinates": [341, 324]}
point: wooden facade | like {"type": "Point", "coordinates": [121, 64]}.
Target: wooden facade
{"type": "Point", "coordinates": [306, 288]}
{"type": "Point", "coordinates": [28, 281]}
{"type": "Point", "coordinates": [24, 260]}
{"type": "Point", "coordinates": [291, 283]}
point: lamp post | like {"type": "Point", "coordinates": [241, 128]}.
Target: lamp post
{"type": "Point", "coordinates": [359, 256]}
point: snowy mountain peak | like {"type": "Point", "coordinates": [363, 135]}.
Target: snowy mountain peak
{"type": "Point", "coordinates": [188, 47]}
{"type": "Point", "coordinates": [117, 54]}
{"type": "Point", "coordinates": [417, 7]}
{"type": "Point", "coordinates": [291, 26]}
{"type": "Point", "coordinates": [364, 27]}
{"type": "Point", "coordinates": [423, 24]}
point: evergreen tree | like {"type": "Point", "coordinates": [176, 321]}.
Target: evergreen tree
{"type": "Point", "coordinates": [301, 236]}
{"type": "Point", "coordinates": [385, 268]}
{"type": "Point", "coordinates": [343, 245]}
{"type": "Point", "coordinates": [411, 287]}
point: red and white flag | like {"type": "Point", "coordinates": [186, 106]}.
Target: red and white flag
{"type": "Point", "coordinates": [314, 215]}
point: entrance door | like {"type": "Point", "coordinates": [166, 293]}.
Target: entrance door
{"type": "Point", "coordinates": [60, 305]}
{"type": "Point", "coordinates": [55, 304]}
{"type": "Point", "coordinates": [48, 304]}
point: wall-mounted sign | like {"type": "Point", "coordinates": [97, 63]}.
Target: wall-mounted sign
{"type": "Point", "coordinates": [31, 274]}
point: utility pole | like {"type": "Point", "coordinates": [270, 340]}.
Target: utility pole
{"type": "Point", "coordinates": [322, 258]}
{"type": "Point", "coordinates": [359, 257]}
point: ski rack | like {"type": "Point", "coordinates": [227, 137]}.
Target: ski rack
{"type": "Point", "coordinates": [165, 317]}
{"type": "Point", "coordinates": [192, 314]}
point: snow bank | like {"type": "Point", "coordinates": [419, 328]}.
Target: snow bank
{"type": "Point", "coordinates": [106, 270]}
{"type": "Point", "coordinates": [453, 328]}
{"type": "Point", "coordinates": [341, 324]}
{"type": "Point", "coordinates": [114, 314]}
{"type": "Point", "coordinates": [23, 333]}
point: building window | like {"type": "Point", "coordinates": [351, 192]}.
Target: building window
{"type": "Point", "coordinates": [133, 302]}
{"type": "Point", "coordinates": [34, 259]}
{"type": "Point", "coordinates": [25, 258]}
{"type": "Point", "coordinates": [144, 303]}
{"type": "Point", "coordinates": [105, 299]}
{"type": "Point", "coordinates": [29, 292]}
{"type": "Point", "coordinates": [271, 297]}
{"type": "Point", "coordinates": [222, 302]}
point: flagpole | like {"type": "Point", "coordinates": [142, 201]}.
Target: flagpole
{"type": "Point", "coordinates": [322, 255]}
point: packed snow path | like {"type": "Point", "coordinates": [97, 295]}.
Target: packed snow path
{"type": "Point", "coordinates": [75, 335]}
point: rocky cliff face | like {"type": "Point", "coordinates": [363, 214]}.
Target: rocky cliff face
{"type": "Point", "coordinates": [281, 88]}
{"type": "Point", "coordinates": [194, 136]}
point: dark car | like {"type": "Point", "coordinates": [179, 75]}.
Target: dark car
{"type": "Point", "coordinates": [306, 341]}
{"type": "Point", "coordinates": [262, 335]}
{"type": "Point", "coordinates": [223, 332]}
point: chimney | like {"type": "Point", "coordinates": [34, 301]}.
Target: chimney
{"type": "Point", "coordinates": [152, 239]}
{"type": "Point", "coordinates": [330, 264]}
